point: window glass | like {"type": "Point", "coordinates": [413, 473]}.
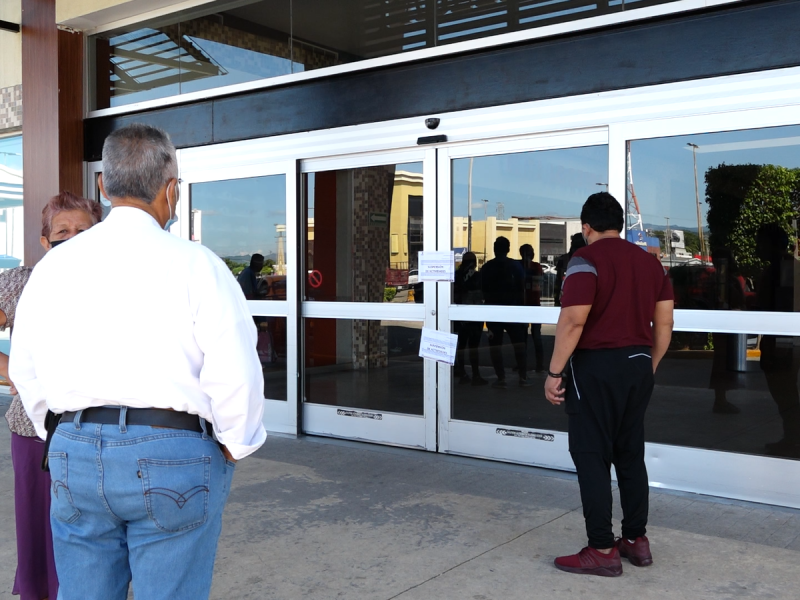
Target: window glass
{"type": "Point", "coordinates": [12, 234]}
{"type": "Point", "coordinates": [525, 209]}
{"type": "Point", "coordinates": [731, 392]}
{"type": "Point", "coordinates": [244, 222]}
{"type": "Point", "coordinates": [720, 210]}
{"type": "Point", "coordinates": [11, 231]}
{"type": "Point", "coordinates": [476, 394]}
{"type": "Point", "coordinates": [716, 391]}
{"type": "Point", "coordinates": [373, 365]}
{"type": "Point", "coordinates": [364, 232]}
{"type": "Point", "coordinates": [233, 41]}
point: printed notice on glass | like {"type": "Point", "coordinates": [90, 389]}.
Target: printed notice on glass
{"type": "Point", "coordinates": [436, 266]}
{"type": "Point", "coordinates": [438, 345]}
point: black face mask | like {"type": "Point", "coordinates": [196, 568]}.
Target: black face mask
{"type": "Point", "coordinates": [55, 243]}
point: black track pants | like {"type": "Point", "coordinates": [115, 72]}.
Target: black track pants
{"type": "Point", "coordinates": [607, 394]}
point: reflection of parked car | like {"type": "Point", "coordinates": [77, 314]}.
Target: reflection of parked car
{"type": "Point", "coordinates": [413, 277]}
{"type": "Point", "coordinates": [272, 287]}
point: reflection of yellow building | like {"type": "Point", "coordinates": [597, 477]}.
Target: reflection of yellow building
{"type": "Point", "coordinates": [405, 220]}
{"type": "Point", "coordinates": [518, 232]}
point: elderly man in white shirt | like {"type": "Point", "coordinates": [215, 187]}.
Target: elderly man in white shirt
{"type": "Point", "coordinates": [159, 389]}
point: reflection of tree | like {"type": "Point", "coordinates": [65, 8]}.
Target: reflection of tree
{"type": "Point", "coordinates": [237, 267]}
{"type": "Point", "coordinates": [742, 198]}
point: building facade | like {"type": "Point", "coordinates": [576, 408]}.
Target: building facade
{"type": "Point", "coordinates": [339, 140]}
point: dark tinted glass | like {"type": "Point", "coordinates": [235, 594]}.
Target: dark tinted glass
{"type": "Point", "coordinates": [234, 41]}
{"type": "Point", "coordinates": [371, 365]}
{"type": "Point", "coordinates": [532, 200]}
{"type": "Point", "coordinates": [732, 392]}
{"type": "Point", "coordinates": [720, 210]}
{"type": "Point", "coordinates": [364, 234]}
{"type": "Point", "coordinates": [476, 393]}
{"type": "Point", "coordinates": [271, 348]}
{"type": "Point", "coordinates": [729, 392]}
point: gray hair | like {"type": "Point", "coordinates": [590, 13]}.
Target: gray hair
{"type": "Point", "coordinates": [137, 161]}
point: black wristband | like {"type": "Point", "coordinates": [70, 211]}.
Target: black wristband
{"type": "Point", "coordinates": [556, 375]}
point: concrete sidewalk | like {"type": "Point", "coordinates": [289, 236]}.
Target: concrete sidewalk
{"type": "Point", "coordinates": [318, 519]}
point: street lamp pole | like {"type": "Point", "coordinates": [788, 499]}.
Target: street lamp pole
{"type": "Point", "coordinates": [485, 228]}
{"type": "Point", "coordinates": [469, 207]}
{"type": "Point", "coordinates": [703, 255]}
{"type": "Point", "coordinates": [668, 242]}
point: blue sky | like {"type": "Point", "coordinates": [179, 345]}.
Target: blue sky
{"type": "Point", "coordinates": [239, 215]}
{"type": "Point", "coordinates": [11, 152]}
{"type": "Point", "coordinates": [530, 184]}
{"type": "Point", "coordinates": [663, 172]}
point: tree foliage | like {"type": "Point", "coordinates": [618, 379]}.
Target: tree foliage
{"type": "Point", "coordinates": [742, 198]}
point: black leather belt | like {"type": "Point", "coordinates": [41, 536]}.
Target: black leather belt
{"type": "Point", "coordinates": [155, 417]}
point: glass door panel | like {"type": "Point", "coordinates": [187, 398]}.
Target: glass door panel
{"type": "Point", "coordinates": [364, 230]}
{"type": "Point", "coordinates": [363, 306]}
{"type": "Point", "coordinates": [363, 364]}
{"type": "Point", "coordinates": [515, 223]}
{"type": "Point", "coordinates": [244, 222]}
{"type": "Point", "coordinates": [514, 239]}
{"type": "Point", "coordinates": [241, 215]}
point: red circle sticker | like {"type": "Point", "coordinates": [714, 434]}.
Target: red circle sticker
{"type": "Point", "coordinates": [315, 279]}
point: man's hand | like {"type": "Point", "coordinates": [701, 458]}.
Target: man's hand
{"type": "Point", "coordinates": [554, 390]}
{"type": "Point", "coordinates": [226, 453]}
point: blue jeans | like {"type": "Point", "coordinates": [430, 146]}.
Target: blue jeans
{"type": "Point", "coordinates": [135, 502]}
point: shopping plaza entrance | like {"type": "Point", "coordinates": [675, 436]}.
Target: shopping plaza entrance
{"type": "Point", "coordinates": [340, 217]}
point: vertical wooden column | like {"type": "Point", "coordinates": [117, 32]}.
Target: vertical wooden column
{"type": "Point", "coordinates": [52, 128]}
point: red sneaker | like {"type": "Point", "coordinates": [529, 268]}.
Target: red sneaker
{"type": "Point", "coordinates": [638, 552]}
{"type": "Point", "coordinates": [591, 562]}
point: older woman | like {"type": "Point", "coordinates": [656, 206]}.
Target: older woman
{"type": "Point", "coordinates": [65, 216]}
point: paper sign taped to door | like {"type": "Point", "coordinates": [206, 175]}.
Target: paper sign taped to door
{"type": "Point", "coordinates": [438, 345]}
{"type": "Point", "coordinates": [436, 266]}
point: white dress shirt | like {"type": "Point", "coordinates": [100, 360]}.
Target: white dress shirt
{"type": "Point", "coordinates": [161, 322]}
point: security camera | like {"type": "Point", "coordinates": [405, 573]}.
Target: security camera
{"type": "Point", "coordinates": [432, 123]}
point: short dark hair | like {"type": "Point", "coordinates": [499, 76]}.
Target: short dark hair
{"type": "Point", "coordinates": [502, 245]}
{"type": "Point", "coordinates": [602, 212]}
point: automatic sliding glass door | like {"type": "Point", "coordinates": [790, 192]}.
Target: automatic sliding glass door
{"type": "Point", "coordinates": [363, 308]}
{"type": "Point", "coordinates": [511, 214]}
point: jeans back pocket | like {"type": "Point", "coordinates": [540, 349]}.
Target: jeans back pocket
{"type": "Point", "coordinates": [62, 506]}
{"type": "Point", "coordinates": [176, 492]}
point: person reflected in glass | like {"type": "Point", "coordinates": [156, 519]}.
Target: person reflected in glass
{"type": "Point", "coordinates": [725, 290]}
{"type": "Point", "coordinates": [502, 282]}
{"type": "Point", "coordinates": [249, 278]}
{"type": "Point", "coordinates": [779, 362]}
{"type": "Point", "coordinates": [575, 242]}
{"type": "Point", "coordinates": [64, 217]}
{"type": "Point", "coordinates": [467, 290]}
{"type": "Point", "coordinates": [533, 297]}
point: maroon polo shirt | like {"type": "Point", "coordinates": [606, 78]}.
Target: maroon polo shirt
{"type": "Point", "coordinates": [622, 283]}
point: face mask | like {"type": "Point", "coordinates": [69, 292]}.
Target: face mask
{"type": "Point", "coordinates": [55, 243]}
{"type": "Point", "coordinates": [173, 218]}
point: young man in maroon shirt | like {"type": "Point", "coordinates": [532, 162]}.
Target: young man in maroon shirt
{"type": "Point", "coordinates": [615, 326]}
